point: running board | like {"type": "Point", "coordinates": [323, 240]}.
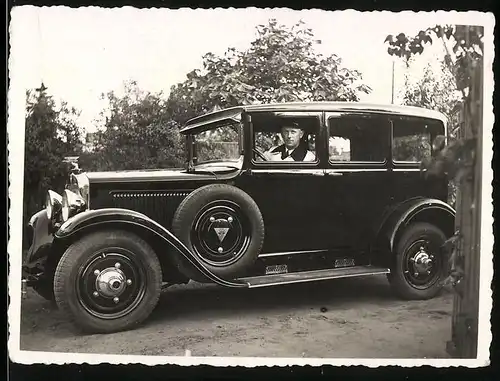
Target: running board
{"type": "Point", "coordinates": [312, 276]}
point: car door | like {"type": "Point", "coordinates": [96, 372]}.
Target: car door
{"type": "Point", "coordinates": [357, 186]}
{"type": "Point", "coordinates": [288, 190]}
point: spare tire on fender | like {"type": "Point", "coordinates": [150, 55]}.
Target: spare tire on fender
{"type": "Point", "coordinates": [223, 227]}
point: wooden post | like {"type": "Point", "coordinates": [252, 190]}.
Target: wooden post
{"type": "Point", "coordinates": [468, 222]}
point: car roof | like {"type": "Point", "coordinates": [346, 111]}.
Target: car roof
{"type": "Point", "coordinates": [234, 113]}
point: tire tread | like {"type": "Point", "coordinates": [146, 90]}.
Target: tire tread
{"type": "Point", "coordinates": [71, 258]}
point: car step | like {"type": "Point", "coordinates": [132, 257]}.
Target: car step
{"type": "Point", "coordinates": [310, 276]}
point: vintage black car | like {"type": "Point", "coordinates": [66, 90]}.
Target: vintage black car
{"type": "Point", "coordinates": [348, 200]}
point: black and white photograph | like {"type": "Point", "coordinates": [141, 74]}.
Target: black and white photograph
{"type": "Point", "coordinates": [250, 186]}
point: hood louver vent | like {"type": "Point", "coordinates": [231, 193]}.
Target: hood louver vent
{"type": "Point", "coordinates": [158, 205]}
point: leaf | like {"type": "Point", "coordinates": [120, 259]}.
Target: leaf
{"type": "Point", "coordinates": [401, 37]}
{"type": "Point", "coordinates": [448, 32]}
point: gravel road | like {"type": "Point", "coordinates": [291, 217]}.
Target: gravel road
{"type": "Point", "coordinates": [348, 318]}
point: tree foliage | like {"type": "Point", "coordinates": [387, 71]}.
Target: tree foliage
{"type": "Point", "coordinates": [280, 65]}
{"type": "Point", "coordinates": [51, 134]}
{"type": "Point", "coordinates": [138, 134]}
{"type": "Point", "coordinates": [142, 129]}
{"type": "Point", "coordinates": [435, 90]}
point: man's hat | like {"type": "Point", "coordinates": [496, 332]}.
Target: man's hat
{"type": "Point", "coordinates": [292, 124]}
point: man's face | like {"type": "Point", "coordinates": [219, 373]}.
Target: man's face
{"type": "Point", "coordinates": [291, 136]}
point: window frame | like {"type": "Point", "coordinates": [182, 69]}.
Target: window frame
{"type": "Point", "coordinates": [360, 164]}
{"type": "Point", "coordinates": [317, 115]}
{"type": "Point", "coordinates": [193, 153]}
{"type": "Point", "coordinates": [398, 118]}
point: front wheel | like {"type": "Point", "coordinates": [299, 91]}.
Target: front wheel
{"type": "Point", "coordinates": [418, 267]}
{"type": "Point", "coordinates": [108, 281]}
{"type": "Point", "coordinates": [45, 290]}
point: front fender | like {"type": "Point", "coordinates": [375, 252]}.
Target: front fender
{"type": "Point", "coordinates": [108, 216]}
{"type": "Point", "coordinates": [41, 237]}
{"type": "Point", "coordinates": [406, 212]}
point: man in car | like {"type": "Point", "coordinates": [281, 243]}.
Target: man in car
{"type": "Point", "coordinates": [293, 148]}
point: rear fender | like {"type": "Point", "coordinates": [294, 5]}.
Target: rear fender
{"type": "Point", "coordinates": [92, 219]}
{"type": "Point", "coordinates": [416, 209]}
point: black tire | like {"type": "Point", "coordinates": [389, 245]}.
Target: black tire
{"type": "Point", "coordinates": [45, 289]}
{"type": "Point", "coordinates": [419, 241]}
{"type": "Point", "coordinates": [45, 285]}
{"type": "Point", "coordinates": [227, 207]}
{"type": "Point", "coordinates": [128, 270]}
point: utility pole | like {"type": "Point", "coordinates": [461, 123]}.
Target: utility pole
{"type": "Point", "coordinates": [392, 93]}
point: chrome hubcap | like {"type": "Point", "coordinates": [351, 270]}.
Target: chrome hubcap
{"type": "Point", "coordinates": [422, 262]}
{"type": "Point", "coordinates": [110, 282]}
{"type": "Point", "coordinates": [421, 265]}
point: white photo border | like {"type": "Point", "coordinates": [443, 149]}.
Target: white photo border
{"type": "Point", "coordinates": [16, 135]}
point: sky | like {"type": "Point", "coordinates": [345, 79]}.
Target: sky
{"type": "Point", "coordinates": [80, 53]}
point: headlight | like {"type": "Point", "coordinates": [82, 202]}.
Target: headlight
{"type": "Point", "coordinates": [72, 203]}
{"type": "Point", "coordinates": [79, 183]}
{"type": "Point", "coordinates": [54, 204]}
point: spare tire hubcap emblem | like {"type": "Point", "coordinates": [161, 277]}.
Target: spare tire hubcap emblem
{"type": "Point", "coordinates": [221, 233]}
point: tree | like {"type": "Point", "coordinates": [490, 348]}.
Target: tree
{"type": "Point", "coordinates": [460, 161]}
{"type": "Point", "coordinates": [435, 89]}
{"type": "Point", "coordinates": [280, 65]}
{"type": "Point", "coordinates": [138, 134]}
{"type": "Point", "coordinates": [70, 133]}
{"type": "Point", "coordinates": [46, 146]}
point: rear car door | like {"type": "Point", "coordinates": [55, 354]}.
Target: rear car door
{"type": "Point", "coordinates": [357, 186]}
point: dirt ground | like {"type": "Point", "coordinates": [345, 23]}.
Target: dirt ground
{"type": "Point", "coordinates": [348, 318]}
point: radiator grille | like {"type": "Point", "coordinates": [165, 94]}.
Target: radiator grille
{"type": "Point", "coordinates": [158, 205]}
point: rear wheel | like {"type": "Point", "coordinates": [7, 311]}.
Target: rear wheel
{"type": "Point", "coordinates": [108, 281]}
{"type": "Point", "coordinates": [418, 267]}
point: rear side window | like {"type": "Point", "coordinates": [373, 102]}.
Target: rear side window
{"type": "Point", "coordinates": [358, 138]}
{"type": "Point", "coordinates": [412, 139]}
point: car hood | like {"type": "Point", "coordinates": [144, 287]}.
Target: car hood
{"type": "Point", "coordinates": [200, 172]}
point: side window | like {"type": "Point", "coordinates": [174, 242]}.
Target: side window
{"type": "Point", "coordinates": [220, 143]}
{"type": "Point", "coordinates": [284, 139]}
{"type": "Point", "coordinates": [358, 138]}
{"type": "Point", "coordinates": [412, 140]}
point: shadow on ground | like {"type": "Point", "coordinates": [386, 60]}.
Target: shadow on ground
{"type": "Point", "coordinates": [183, 302]}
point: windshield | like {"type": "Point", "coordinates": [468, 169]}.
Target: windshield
{"type": "Point", "coordinates": [220, 143]}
